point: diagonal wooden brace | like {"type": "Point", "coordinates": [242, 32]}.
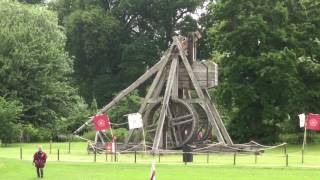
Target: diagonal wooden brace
{"type": "Point", "coordinates": [165, 102]}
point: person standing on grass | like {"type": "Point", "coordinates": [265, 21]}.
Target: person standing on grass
{"type": "Point", "coordinates": [39, 161]}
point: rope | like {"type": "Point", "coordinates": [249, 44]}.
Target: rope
{"type": "Point", "coordinates": [208, 147]}
{"type": "Point", "coordinates": [120, 124]}
{"type": "Point", "coordinates": [273, 147]}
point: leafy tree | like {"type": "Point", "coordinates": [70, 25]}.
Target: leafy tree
{"type": "Point", "coordinates": [127, 105]}
{"type": "Point", "coordinates": [34, 67]}
{"type": "Point", "coordinates": [114, 41]}
{"type": "Point", "coordinates": [10, 112]}
{"type": "Point", "coordinates": [94, 39]}
{"type": "Point", "coordinates": [261, 49]}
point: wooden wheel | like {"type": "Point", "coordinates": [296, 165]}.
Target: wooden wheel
{"type": "Point", "coordinates": [181, 124]}
{"type": "Point", "coordinates": [204, 128]}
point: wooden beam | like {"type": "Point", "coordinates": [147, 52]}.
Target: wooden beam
{"type": "Point", "coordinates": [199, 91]}
{"type": "Point", "coordinates": [132, 87]}
{"type": "Point", "coordinates": [189, 69]}
{"type": "Point", "coordinates": [175, 88]}
{"type": "Point", "coordinates": [156, 80]}
{"type": "Point", "coordinates": [218, 118]}
{"type": "Point", "coordinates": [165, 103]}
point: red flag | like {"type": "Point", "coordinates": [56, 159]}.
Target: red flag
{"type": "Point", "coordinates": [101, 122]}
{"type": "Point", "coordinates": [313, 122]}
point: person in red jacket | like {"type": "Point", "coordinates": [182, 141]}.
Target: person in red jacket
{"type": "Point", "coordinates": [39, 161]}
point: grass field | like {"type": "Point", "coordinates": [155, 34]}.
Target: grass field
{"type": "Point", "coordinates": [79, 165]}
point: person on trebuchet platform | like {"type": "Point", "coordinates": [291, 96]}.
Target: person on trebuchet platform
{"type": "Point", "coordinates": [39, 161]}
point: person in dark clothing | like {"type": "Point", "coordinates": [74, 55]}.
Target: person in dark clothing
{"type": "Point", "coordinates": [39, 161]}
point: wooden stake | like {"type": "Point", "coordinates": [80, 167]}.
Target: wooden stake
{"type": "Point", "coordinates": [20, 153]}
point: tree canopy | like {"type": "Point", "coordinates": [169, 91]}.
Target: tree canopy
{"type": "Point", "coordinates": [57, 57]}
{"type": "Point", "coordinates": [261, 47]}
{"type": "Point", "coordinates": [115, 41]}
{"type": "Point", "coordinates": [35, 69]}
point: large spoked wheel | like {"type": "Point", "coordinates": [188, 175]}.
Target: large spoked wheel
{"type": "Point", "coordinates": [181, 123]}
{"type": "Point", "coordinates": [204, 129]}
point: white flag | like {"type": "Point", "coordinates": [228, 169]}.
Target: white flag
{"type": "Point", "coordinates": [135, 120]}
{"type": "Point", "coordinates": [302, 118]}
{"type": "Point", "coordinates": [153, 171]}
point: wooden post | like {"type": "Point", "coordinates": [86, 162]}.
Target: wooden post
{"type": "Point", "coordinates": [234, 158]}
{"type": "Point", "coordinates": [135, 156]}
{"type": "Point", "coordinates": [285, 149]}
{"type": "Point", "coordinates": [159, 157]}
{"type": "Point", "coordinates": [50, 146]}
{"type": "Point", "coordinates": [106, 155]}
{"type": "Point", "coordinates": [58, 154]}
{"type": "Point", "coordinates": [69, 147]}
{"type": "Point", "coordinates": [255, 157]}
{"type": "Point", "coordinates": [302, 156]}
{"type": "Point", "coordinates": [212, 157]}
{"type": "Point", "coordinates": [287, 160]}
{"type": "Point", "coordinates": [111, 155]}
{"type": "Point", "coordinates": [95, 155]}
{"type": "Point", "coordinates": [20, 153]}
{"type": "Point", "coordinates": [115, 157]}
{"type": "Point", "coordinates": [304, 143]}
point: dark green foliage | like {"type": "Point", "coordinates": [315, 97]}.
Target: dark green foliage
{"type": "Point", "coordinates": [34, 67]}
{"type": "Point", "coordinates": [94, 40]}
{"type": "Point", "coordinates": [265, 64]}
{"type": "Point", "coordinates": [113, 42]}
{"type": "Point", "coordinates": [10, 128]}
{"type": "Point", "coordinates": [127, 105]}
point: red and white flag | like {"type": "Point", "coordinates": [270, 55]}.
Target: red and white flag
{"type": "Point", "coordinates": [313, 122]}
{"type": "Point", "coordinates": [302, 120]}
{"type": "Point", "coordinates": [135, 120]}
{"type": "Point", "coordinates": [101, 122]}
{"type": "Point", "coordinates": [153, 171]}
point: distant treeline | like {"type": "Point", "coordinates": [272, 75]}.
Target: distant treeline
{"type": "Point", "coordinates": [61, 61]}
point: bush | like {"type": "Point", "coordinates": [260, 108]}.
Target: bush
{"type": "Point", "coordinates": [297, 138]}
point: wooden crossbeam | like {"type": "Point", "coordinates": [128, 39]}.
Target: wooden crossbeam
{"type": "Point", "coordinates": [165, 103]}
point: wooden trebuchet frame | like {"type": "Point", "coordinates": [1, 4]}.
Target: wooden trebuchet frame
{"type": "Point", "coordinates": [180, 83]}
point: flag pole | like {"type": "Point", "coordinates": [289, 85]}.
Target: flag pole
{"type": "Point", "coordinates": [144, 140]}
{"type": "Point", "coordinates": [304, 136]}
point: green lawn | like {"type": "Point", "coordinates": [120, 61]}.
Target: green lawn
{"type": "Point", "coordinates": [79, 165]}
{"type": "Point", "coordinates": [15, 169]}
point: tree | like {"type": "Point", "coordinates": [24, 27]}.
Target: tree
{"type": "Point", "coordinates": [127, 105]}
{"type": "Point", "coordinates": [259, 46]}
{"type": "Point", "coordinates": [34, 67]}
{"type": "Point", "coordinates": [10, 112]}
{"type": "Point", "coordinates": [94, 39]}
{"type": "Point", "coordinates": [114, 41]}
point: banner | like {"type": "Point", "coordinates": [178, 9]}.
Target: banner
{"type": "Point", "coordinates": [135, 120]}
{"type": "Point", "coordinates": [302, 120]}
{"type": "Point", "coordinates": [101, 122]}
{"type": "Point", "coordinates": [313, 122]}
